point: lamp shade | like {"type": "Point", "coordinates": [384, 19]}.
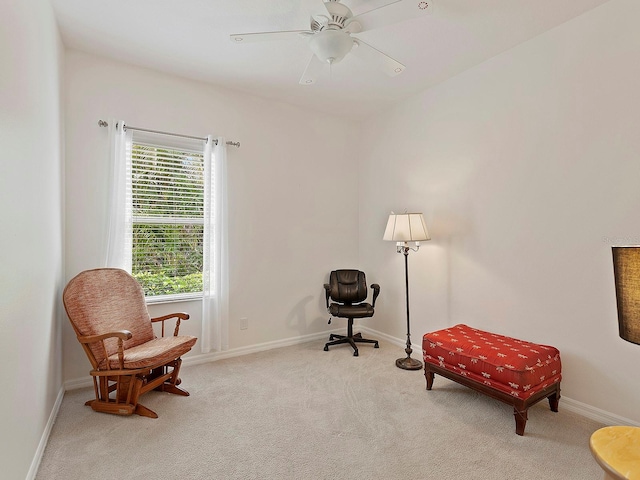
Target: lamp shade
{"type": "Point", "coordinates": [626, 270]}
{"type": "Point", "coordinates": [406, 227]}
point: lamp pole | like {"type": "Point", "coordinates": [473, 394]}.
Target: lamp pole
{"type": "Point", "coordinates": [407, 363]}
{"type": "Point", "coordinates": [404, 228]}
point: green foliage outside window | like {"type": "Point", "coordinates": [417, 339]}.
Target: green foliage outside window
{"type": "Point", "coordinates": [168, 205]}
{"type": "Point", "coordinates": [160, 283]}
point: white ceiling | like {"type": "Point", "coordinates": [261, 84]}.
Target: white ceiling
{"type": "Point", "coordinates": [190, 38]}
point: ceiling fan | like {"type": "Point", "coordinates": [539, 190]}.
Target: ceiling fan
{"type": "Point", "coordinates": [330, 36]}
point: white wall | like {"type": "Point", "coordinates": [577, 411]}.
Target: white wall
{"type": "Point", "coordinates": [527, 170]}
{"type": "Point", "coordinates": [31, 165]}
{"type": "Point", "coordinates": [292, 184]}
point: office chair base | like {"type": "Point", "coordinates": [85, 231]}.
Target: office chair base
{"type": "Point", "coordinates": [351, 340]}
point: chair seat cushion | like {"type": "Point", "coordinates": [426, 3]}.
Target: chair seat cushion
{"type": "Point", "coordinates": [516, 367]}
{"type": "Point", "coordinates": [156, 352]}
{"type": "Point", "coordinates": [360, 310]}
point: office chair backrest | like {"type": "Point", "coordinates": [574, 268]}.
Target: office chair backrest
{"type": "Point", "coordinates": [348, 286]}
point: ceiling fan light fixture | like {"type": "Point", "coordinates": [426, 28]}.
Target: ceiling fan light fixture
{"type": "Point", "coordinates": [331, 46]}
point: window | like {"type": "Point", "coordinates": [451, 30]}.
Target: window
{"type": "Point", "coordinates": [167, 190]}
{"type": "Point", "coordinates": [168, 220]}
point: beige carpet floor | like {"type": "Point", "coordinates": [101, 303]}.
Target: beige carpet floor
{"type": "Point", "coordinates": [301, 413]}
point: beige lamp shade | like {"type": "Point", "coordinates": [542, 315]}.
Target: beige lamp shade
{"type": "Point", "coordinates": [406, 227]}
{"type": "Point", "coordinates": [626, 270]}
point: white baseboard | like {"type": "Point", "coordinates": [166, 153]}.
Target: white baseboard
{"type": "Point", "coordinates": [594, 413]}
{"type": "Point", "coordinates": [77, 383]}
{"type": "Point", "coordinates": [393, 340]}
{"type": "Point", "coordinates": [35, 463]}
{"type": "Point", "coordinates": [260, 347]}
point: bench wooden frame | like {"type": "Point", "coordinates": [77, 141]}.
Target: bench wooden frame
{"type": "Point", "coordinates": [520, 406]}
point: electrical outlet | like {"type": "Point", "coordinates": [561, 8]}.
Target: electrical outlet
{"type": "Point", "coordinates": [244, 323]}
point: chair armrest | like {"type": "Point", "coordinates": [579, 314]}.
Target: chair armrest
{"type": "Point", "coordinates": [327, 290]}
{"type": "Point", "coordinates": [121, 335]}
{"type": "Point", "coordinates": [178, 316]}
{"type": "Point", "coordinates": [376, 292]}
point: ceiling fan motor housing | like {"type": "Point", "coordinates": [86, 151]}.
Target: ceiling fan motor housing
{"type": "Point", "coordinates": [340, 14]}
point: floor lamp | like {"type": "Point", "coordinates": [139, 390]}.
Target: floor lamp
{"type": "Point", "coordinates": [404, 228]}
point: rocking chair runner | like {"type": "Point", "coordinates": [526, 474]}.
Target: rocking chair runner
{"type": "Point", "coordinates": [108, 312]}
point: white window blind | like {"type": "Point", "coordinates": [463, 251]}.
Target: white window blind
{"type": "Point", "coordinates": [168, 219]}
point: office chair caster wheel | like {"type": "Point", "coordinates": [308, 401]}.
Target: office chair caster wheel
{"type": "Point", "coordinates": [330, 337]}
{"type": "Point", "coordinates": [355, 354]}
{"type": "Point", "coordinates": [376, 345]}
{"type": "Point", "coordinates": [326, 349]}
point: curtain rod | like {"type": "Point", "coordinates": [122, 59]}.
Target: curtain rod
{"type": "Point", "coordinates": [102, 123]}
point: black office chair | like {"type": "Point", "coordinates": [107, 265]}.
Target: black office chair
{"type": "Point", "coordinates": [349, 288]}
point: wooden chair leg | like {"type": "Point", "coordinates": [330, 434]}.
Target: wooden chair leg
{"type": "Point", "coordinates": [104, 389]}
{"type": "Point", "coordinates": [101, 391]}
{"type": "Point", "coordinates": [135, 393]}
{"type": "Point", "coordinates": [171, 385]}
{"type": "Point", "coordinates": [175, 380]}
{"type": "Point", "coordinates": [124, 387]}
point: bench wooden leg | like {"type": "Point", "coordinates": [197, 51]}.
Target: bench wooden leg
{"type": "Point", "coordinates": [429, 376]}
{"type": "Point", "coordinates": [553, 401]}
{"type": "Point", "coordinates": [521, 420]}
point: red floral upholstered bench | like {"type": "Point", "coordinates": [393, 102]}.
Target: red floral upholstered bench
{"type": "Point", "coordinates": [514, 371]}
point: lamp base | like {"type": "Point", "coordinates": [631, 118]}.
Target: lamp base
{"type": "Point", "coordinates": [409, 363]}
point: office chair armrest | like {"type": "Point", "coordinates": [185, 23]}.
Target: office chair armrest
{"type": "Point", "coordinates": [376, 292]}
{"type": "Point", "coordinates": [327, 290]}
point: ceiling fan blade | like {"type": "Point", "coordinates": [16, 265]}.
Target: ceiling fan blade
{"type": "Point", "coordinates": [267, 36]}
{"type": "Point", "coordinates": [335, 8]}
{"type": "Point", "coordinates": [391, 13]}
{"type": "Point", "coordinates": [311, 73]}
{"type": "Point", "coordinates": [384, 62]}
{"type": "Point", "coordinates": [353, 27]}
